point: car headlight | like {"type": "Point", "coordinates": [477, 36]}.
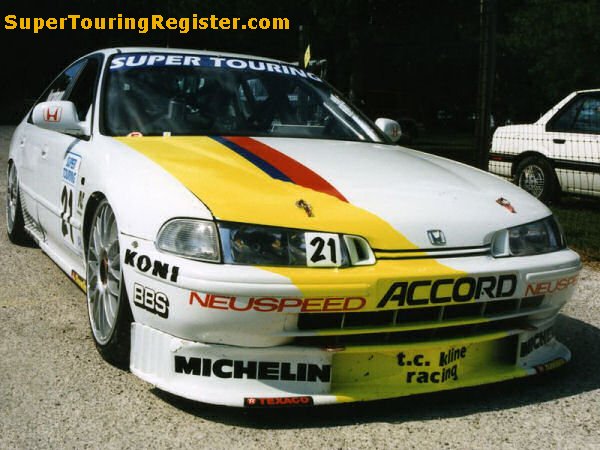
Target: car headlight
{"type": "Point", "coordinates": [542, 236]}
{"type": "Point", "coordinates": [190, 238]}
{"type": "Point", "coordinates": [262, 245]}
{"type": "Point", "coordinates": [275, 246]}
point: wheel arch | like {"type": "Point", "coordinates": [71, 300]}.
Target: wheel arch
{"type": "Point", "coordinates": [91, 206]}
{"type": "Point", "coordinates": [537, 154]}
{"type": "Point", "coordinates": [526, 154]}
{"type": "Point", "coordinates": [9, 164]}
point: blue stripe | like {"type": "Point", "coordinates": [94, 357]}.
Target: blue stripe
{"type": "Point", "coordinates": [258, 162]}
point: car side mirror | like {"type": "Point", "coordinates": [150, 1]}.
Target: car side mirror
{"type": "Point", "coordinates": [390, 128]}
{"type": "Point", "coordinates": [60, 116]}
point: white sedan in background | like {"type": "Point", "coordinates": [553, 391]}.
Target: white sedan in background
{"type": "Point", "coordinates": [558, 153]}
{"type": "Point", "coordinates": [246, 237]}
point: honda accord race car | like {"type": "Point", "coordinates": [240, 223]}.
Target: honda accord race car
{"type": "Point", "coordinates": [246, 237]}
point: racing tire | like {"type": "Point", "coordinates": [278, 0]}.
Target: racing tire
{"type": "Point", "coordinates": [535, 175]}
{"type": "Point", "coordinates": [108, 306]}
{"type": "Point", "coordinates": [15, 223]}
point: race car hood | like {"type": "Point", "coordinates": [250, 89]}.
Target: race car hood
{"type": "Point", "coordinates": [390, 195]}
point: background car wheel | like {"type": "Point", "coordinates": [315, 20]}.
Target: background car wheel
{"type": "Point", "coordinates": [108, 306]}
{"type": "Point", "coordinates": [535, 175]}
{"type": "Point", "coordinates": [15, 225]}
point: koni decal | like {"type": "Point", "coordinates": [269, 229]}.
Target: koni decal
{"type": "Point", "coordinates": [253, 370]}
{"type": "Point", "coordinates": [147, 265]}
{"type": "Point", "coordinates": [277, 304]}
{"type": "Point", "coordinates": [447, 290]}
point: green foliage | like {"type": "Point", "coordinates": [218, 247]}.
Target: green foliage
{"type": "Point", "coordinates": [560, 43]}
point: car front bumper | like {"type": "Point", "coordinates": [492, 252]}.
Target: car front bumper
{"type": "Point", "coordinates": [216, 342]}
{"type": "Point", "coordinates": [292, 375]}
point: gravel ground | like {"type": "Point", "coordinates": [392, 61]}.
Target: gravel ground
{"type": "Point", "coordinates": [57, 392]}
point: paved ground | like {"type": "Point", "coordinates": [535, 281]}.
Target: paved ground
{"type": "Point", "coordinates": [56, 392]}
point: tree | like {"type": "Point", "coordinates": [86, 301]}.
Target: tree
{"type": "Point", "coordinates": [558, 42]}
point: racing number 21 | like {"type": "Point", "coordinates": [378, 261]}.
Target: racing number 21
{"type": "Point", "coordinates": [66, 201]}
{"type": "Point", "coordinates": [323, 249]}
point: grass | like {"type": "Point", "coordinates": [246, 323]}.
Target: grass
{"type": "Point", "coordinates": [580, 218]}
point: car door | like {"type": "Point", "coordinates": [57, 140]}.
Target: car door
{"type": "Point", "coordinates": [33, 142]}
{"type": "Point", "coordinates": [58, 181]}
{"type": "Point", "coordinates": [574, 144]}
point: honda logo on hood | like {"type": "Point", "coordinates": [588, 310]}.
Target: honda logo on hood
{"type": "Point", "coordinates": [436, 237]}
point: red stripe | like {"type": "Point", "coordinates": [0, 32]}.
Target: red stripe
{"type": "Point", "coordinates": [295, 171]}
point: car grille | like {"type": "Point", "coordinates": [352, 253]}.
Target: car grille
{"type": "Point", "coordinates": [429, 253]}
{"type": "Point", "coordinates": [417, 324]}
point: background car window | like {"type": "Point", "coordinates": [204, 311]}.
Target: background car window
{"type": "Point", "coordinates": [580, 116]}
{"type": "Point", "coordinates": [57, 89]}
{"type": "Point", "coordinates": [82, 92]}
{"type": "Point", "coordinates": [588, 117]}
{"type": "Point", "coordinates": [565, 119]}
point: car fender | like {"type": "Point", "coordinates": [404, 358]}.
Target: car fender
{"type": "Point", "coordinates": [142, 199]}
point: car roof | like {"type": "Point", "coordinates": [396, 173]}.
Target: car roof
{"type": "Point", "coordinates": [179, 51]}
{"type": "Point", "coordinates": [587, 90]}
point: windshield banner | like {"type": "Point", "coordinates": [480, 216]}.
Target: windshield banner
{"type": "Point", "coordinates": [133, 60]}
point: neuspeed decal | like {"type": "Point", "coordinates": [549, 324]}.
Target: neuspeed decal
{"type": "Point", "coordinates": [549, 287]}
{"type": "Point", "coordinates": [253, 370]}
{"type": "Point", "coordinates": [260, 402]}
{"type": "Point", "coordinates": [277, 304]}
{"type": "Point", "coordinates": [278, 165]}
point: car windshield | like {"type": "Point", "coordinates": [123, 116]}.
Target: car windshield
{"type": "Point", "coordinates": [156, 94]}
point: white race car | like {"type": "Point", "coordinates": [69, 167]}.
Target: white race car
{"type": "Point", "coordinates": [248, 238]}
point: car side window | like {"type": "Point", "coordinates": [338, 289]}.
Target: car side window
{"type": "Point", "coordinates": [82, 92]}
{"type": "Point", "coordinates": [588, 116]}
{"type": "Point", "coordinates": [60, 85]}
{"type": "Point", "coordinates": [580, 116]}
{"type": "Point", "coordinates": [566, 117]}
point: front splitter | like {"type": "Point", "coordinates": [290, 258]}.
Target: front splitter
{"type": "Point", "coordinates": [294, 376]}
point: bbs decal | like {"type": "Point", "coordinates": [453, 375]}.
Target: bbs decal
{"type": "Point", "coordinates": [151, 300]}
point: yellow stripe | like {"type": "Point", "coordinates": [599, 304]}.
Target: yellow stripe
{"type": "Point", "coordinates": [236, 190]}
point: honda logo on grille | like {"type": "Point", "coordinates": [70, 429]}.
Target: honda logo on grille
{"type": "Point", "coordinates": [436, 237]}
